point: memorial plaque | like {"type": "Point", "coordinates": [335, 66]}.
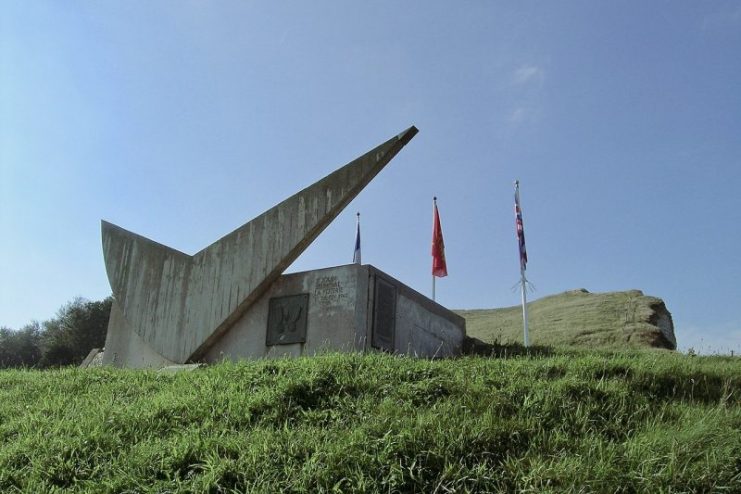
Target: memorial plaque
{"type": "Point", "coordinates": [384, 315]}
{"type": "Point", "coordinates": [329, 291]}
{"type": "Point", "coordinates": [287, 319]}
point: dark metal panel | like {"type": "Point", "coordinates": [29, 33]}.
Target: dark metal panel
{"type": "Point", "coordinates": [287, 319]}
{"type": "Point", "coordinates": [384, 315]}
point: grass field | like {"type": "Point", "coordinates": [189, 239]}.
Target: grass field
{"type": "Point", "coordinates": [577, 318]}
{"type": "Point", "coordinates": [568, 422]}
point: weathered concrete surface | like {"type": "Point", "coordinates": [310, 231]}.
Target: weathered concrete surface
{"type": "Point", "coordinates": [94, 356]}
{"type": "Point", "coordinates": [340, 318]}
{"type": "Point", "coordinates": [180, 305]}
{"type": "Point", "coordinates": [125, 348]}
{"type": "Point", "coordinates": [423, 328]}
{"type": "Point", "coordinates": [176, 369]}
{"type": "Point", "coordinates": [336, 296]}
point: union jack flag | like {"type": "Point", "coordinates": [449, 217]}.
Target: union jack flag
{"type": "Point", "coordinates": [520, 228]}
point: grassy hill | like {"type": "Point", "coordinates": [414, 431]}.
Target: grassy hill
{"type": "Point", "coordinates": [577, 422]}
{"type": "Point", "coordinates": [577, 318]}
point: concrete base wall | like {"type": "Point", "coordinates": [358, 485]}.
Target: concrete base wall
{"type": "Point", "coordinates": [423, 328]}
{"type": "Point", "coordinates": [337, 305]}
{"type": "Point", "coordinates": [341, 315]}
{"type": "Point", "coordinates": [341, 318]}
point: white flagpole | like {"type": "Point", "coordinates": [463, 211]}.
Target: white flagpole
{"type": "Point", "coordinates": [523, 280]}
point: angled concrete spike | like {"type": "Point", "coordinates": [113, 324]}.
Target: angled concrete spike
{"type": "Point", "coordinates": [180, 305]}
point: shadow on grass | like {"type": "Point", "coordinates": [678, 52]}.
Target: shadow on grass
{"type": "Point", "coordinates": [474, 346]}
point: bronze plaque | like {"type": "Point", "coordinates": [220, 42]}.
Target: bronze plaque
{"type": "Point", "coordinates": [384, 315]}
{"type": "Point", "coordinates": [287, 319]}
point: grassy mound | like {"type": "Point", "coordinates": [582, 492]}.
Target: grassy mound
{"type": "Point", "coordinates": [577, 318]}
{"type": "Point", "coordinates": [643, 422]}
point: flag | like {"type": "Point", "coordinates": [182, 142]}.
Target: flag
{"type": "Point", "coordinates": [356, 253]}
{"type": "Point", "coordinates": [520, 228]}
{"type": "Point", "coordinates": [439, 267]}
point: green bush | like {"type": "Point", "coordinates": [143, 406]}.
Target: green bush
{"type": "Point", "coordinates": [66, 339]}
{"type": "Point", "coordinates": [79, 327]}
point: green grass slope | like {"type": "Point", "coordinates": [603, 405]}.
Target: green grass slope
{"type": "Point", "coordinates": [577, 318]}
{"type": "Point", "coordinates": [583, 422]}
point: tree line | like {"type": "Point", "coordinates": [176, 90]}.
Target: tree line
{"type": "Point", "coordinates": [79, 326]}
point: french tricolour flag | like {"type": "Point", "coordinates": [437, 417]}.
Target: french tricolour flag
{"type": "Point", "coordinates": [356, 254]}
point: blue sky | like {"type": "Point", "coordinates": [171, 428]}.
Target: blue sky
{"type": "Point", "coordinates": [181, 120]}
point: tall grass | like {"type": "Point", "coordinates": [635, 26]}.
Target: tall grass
{"type": "Point", "coordinates": [577, 318]}
{"type": "Point", "coordinates": [584, 422]}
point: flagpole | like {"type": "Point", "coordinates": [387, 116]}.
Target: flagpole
{"type": "Point", "coordinates": [434, 205]}
{"type": "Point", "coordinates": [523, 286]}
{"type": "Point", "coordinates": [523, 280]}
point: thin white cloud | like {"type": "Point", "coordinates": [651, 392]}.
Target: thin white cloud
{"type": "Point", "coordinates": [518, 115]}
{"type": "Point", "coordinates": [526, 92]}
{"type": "Point", "coordinates": [523, 114]}
{"type": "Point", "coordinates": [729, 18]}
{"type": "Point", "coordinates": [527, 74]}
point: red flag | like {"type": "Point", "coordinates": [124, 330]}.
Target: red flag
{"type": "Point", "coordinates": [439, 268]}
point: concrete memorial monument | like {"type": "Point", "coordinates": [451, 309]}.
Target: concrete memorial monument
{"type": "Point", "coordinates": [230, 301]}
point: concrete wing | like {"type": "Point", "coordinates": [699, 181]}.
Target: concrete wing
{"type": "Point", "coordinates": [180, 304]}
